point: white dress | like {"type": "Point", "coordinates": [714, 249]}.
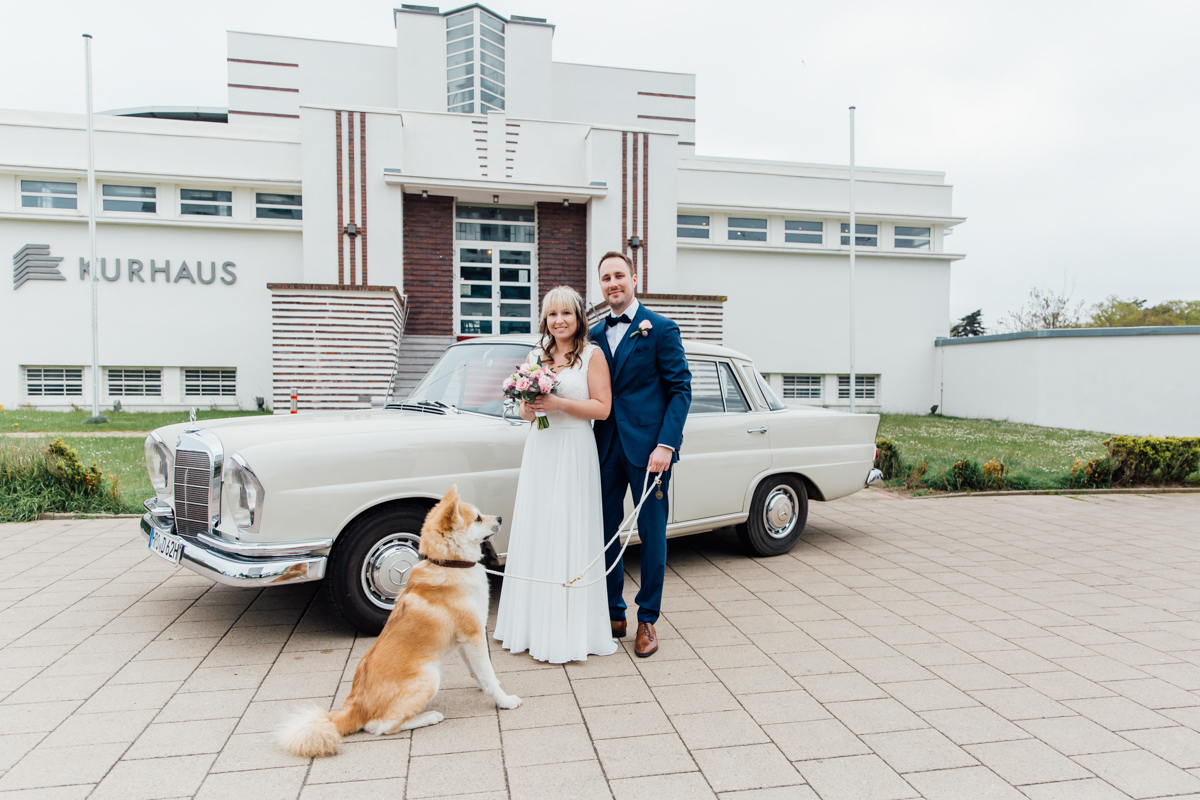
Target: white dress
{"type": "Point", "coordinates": [557, 528]}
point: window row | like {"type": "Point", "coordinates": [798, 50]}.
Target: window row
{"type": "Point", "coordinates": [812, 387]}
{"type": "Point", "coordinates": [802, 231]}
{"type": "Point", "coordinates": [474, 62]}
{"type": "Point", "coordinates": [144, 200]}
{"type": "Point", "coordinates": [122, 382]}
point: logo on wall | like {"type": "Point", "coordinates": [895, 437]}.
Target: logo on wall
{"type": "Point", "coordinates": [33, 262]}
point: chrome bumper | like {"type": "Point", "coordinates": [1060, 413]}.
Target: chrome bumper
{"type": "Point", "coordinates": [874, 478]}
{"type": "Point", "coordinates": [267, 565]}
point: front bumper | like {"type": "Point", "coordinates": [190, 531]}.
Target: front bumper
{"type": "Point", "coordinates": [266, 565]}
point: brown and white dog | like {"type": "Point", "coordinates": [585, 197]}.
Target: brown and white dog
{"type": "Point", "coordinates": [441, 608]}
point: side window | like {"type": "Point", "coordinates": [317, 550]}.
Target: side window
{"type": "Point", "coordinates": [752, 382]}
{"type": "Point", "coordinates": [706, 388]}
{"type": "Point", "coordinates": [734, 399]}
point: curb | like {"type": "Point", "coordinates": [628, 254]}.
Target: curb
{"type": "Point", "coordinates": [1030, 492]}
{"type": "Point", "coordinates": [69, 516]}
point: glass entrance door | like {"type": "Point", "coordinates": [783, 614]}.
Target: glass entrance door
{"type": "Point", "coordinates": [496, 270]}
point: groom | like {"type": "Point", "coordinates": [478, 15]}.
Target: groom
{"type": "Point", "coordinates": [651, 392]}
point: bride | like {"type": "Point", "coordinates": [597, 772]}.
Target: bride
{"type": "Point", "coordinates": [557, 525]}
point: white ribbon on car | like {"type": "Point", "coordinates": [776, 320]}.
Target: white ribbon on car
{"type": "Point", "coordinates": [572, 584]}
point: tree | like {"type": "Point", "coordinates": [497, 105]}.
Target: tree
{"type": "Point", "coordinates": [1113, 312]}
{"type": "Point", "coordinates": [1045, 309]}
{"type": "Point", "coordinates": [969, 325]}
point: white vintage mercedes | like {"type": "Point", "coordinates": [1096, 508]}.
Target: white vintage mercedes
{"type": "Point", "coordinates": [263, 501]}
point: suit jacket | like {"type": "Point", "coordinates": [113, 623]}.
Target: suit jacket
{"type": "Point", "coordinates": [651, 387]}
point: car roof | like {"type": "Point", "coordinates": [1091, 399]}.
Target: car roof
{"type": "Point", "coordinates": [692, 347]}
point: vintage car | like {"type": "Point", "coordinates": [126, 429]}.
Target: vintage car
{"type": "Point", "coordinates": [264, 501]}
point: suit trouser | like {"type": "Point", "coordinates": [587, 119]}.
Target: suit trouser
{"type": "Point", "coordinates": [617, 475]}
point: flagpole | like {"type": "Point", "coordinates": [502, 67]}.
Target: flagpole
{"type": "Point", "coordinates": [853, 236]}
{"type": "Point", "coordinates": [93, 264]}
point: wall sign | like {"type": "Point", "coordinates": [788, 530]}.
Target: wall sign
{"type": "Point", "coordinates": [33, 262]}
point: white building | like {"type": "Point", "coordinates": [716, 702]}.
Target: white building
{"type": "Point", "coordinates": [354, 201]}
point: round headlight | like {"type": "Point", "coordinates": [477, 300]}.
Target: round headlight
{"type": "Point", "coordinates": [158, 463]}
{"type": "Point", "coordinates": [243, 494]}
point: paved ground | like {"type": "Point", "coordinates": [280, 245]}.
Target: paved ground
{"type": "Point", "coordinates": [1041, 647]}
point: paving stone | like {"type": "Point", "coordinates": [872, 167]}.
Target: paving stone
{"type": "Point", "coordinates": [1086, 789]}
{"type": "Point", "coordinates": [151, 778]}
{"type": "Point", "coordinates": [825, 738]}
{"type": "Point", "coordinates": [1141, 774]}
{"type": "Point", "coordinates": [756, 766]}
{"type": "Point", "coordinates": [1075, 736]}
{"type": "Point", "coordinates": [1026, 761]}
{"type": "Point", "coordinates": [635, 719]}
{"type": "Point", "coordinates": [61, 766]}
{"type": "Point", "coordinates": [268, 784]}
{"type": "Point", "coordinates": [973, 725]}
{"type": "Point", "coordinates": [527, 747]}
{"type": "Point", "coordinates": [383, 758]}
{"type": "Point", "coordinates": [455, 774]}
{"type": "Point", "coordinates": [875, 716]}
{"type": "Point", "coordinates": [957, 784]}
{"type": "Point", "coordinates": [855, 778]}
{"type": "Point", "coordinates": [577, 780]}
{"type": "Point", "coordinates": [918, 750]}
{"type": "Point", "coordinates": [644, 755]}
{"type": "Point", "coordinates": [681, 786]}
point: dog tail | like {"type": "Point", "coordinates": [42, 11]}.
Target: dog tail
{"type": "Point", "coordinates": [311, 733]}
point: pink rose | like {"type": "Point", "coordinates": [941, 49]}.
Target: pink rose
{"type": "Point", "coordinates": [523, 384]}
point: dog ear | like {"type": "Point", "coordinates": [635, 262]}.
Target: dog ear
{"type": "Point", "coordinates": [449, 505]}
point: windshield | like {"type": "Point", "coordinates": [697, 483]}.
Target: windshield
{"type": "Point", "coordinates": [469, 377]}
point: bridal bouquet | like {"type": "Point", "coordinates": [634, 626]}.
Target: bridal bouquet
{"type": "Point", "coordinates": [529, 383]}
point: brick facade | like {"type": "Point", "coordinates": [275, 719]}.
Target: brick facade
{"type": "Point", "coordinates": [429, 264]}
{"type": "Point", "coordinates": [562, 247]}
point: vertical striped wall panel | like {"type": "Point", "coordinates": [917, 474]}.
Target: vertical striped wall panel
{"type": "Point", "coordinates": [699, 317]}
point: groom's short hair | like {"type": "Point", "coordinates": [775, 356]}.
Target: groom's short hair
{"type": "Point", "coordinates": [614, 254]}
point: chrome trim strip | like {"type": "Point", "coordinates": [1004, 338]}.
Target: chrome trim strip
{"type": "Point", "coordinates": [234, 570]}
{"type": "Point", "coordinates": [265, 549]}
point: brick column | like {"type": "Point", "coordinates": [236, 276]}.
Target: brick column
{"type": "Point", "coordinates": [562, 247]}
{"type": "Point", "coordinates": [429, 264]}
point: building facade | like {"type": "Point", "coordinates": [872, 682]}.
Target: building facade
{"type": "Point", "coordinates": [358, 206]}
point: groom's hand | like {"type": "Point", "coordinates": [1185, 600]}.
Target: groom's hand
{"type": "Point", "coordinates": [660, 459]}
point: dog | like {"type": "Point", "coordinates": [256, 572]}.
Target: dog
{"type": "Point", "coordinates": [444, 606]}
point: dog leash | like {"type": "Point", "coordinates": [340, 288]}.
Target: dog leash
{"type": "Point", "coordinates": [571, 584]}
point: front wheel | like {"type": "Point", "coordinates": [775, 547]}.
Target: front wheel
{"type": "Point", "coordinates": [778, 514]}
{"type": "Point", "coordinates": [369, 565]}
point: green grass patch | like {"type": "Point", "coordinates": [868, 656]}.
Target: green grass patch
{"type": "Point", "coordinates": [38, 477]}
{"type": "Point", "coordinates": [32, 421]}
{"type": "Point", "coordinates": [1034, 457]}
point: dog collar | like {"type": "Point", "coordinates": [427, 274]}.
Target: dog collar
{"type": "Point", "coordinates": [453, 564]}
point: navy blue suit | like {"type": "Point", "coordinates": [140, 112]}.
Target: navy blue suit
{"type": "Point", "coordinates": [651, 392]}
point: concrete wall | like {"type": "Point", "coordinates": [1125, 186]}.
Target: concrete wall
{"type": "Point", "coordinates": [1137, 381]}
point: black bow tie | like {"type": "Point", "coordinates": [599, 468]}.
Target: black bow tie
{"type": "Point", "coordinates": [610, 320]}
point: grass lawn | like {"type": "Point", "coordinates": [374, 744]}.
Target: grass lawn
{"type": "Point", "coordinates": [123, 457]}
{"type": "Point", "coordinates": [30, 421]}
{"type": "Point", "coordinates": [1042, 455]}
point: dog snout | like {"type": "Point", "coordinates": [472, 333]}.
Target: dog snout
{"type": "Point", "coordinates": [499, 521]}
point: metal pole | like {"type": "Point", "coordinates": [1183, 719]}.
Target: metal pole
{"type": "Point", "coordinates": [93, 264]}
{"type": "Point", "coordinates": [853, 232]}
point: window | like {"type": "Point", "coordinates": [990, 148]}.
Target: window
{"type": "Point", "coordinates": [206, 202]}
{"type": "Point", "coordinates": [49, 194]}
{"type": "Point", "coordinates": [706, 388]}
{"type": "Point", "coordinates": [801, 387]}
{"type": "Point", "coordinates": [802, 231]}
{"type": "Point", "coordinates": [912, 238]}
{"type": "Point", "coordinates": [470, 34]}
{"type": "Point", "coordinates": [54, 381]}
{"type": "Point", "coordinates": [277, 206]}
{"type": "Point", "coordinates": [495, 283]}
{"type": "Point", "coordinates": [139, 199]}
{"type": "Point", "coordinates": [747, 230]}
{"type": "Point", "coordinates": [864, 387]}
{"type": "Point", "coordinates": [135, 383]}
{"type": "Point", "coordinates": [210, 383]}
{"type": "Point", "coordinates": [691, 226]}
{"type": "Point", "coordinates": [773, 402]}
{"type": "Point", "coordinates": [870, 240]}
{"type": "Point", "coordinates": [734, 399]}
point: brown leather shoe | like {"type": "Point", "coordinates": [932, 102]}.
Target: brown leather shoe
{"type": "Point", "coordinates": [646, 644]}
{"type": "Point", "coordinates": [619, 628]}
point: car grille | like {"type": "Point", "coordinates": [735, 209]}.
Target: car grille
{"type": "Point", "coordinates": [193, 481]}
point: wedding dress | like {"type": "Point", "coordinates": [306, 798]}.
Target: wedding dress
{"type": "Point", "coordinates": [557, 528]}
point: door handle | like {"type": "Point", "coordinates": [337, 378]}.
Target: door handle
{"type": "Point", "coordinates": [757, 430]}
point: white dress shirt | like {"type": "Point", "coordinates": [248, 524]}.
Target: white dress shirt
{"type": "Point", "coordinates": [616, 332]}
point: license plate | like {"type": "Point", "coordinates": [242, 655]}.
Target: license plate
{"type": "Point", "coordinates": [168, 546]}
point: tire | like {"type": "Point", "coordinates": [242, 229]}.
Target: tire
{"type": "Point", "coordinates": [778, 514]}
{"type": "Point", "coordinates": [369, 565]}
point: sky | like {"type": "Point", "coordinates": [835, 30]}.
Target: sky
{"type": "Point", "coordinates": [1069, 130]}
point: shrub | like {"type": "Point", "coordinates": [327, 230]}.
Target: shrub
{"type": "Point", "coordinates": [965, 475]}
{"type": "Point", "coordinates": [888, 462]}
{"type": "Point", "coordinates": [1094, 474]}
{"type": "Point", "coordinates": [35, 481]}
{"type": "Point", "coordinates": [916, 474]}
{"type": "Point", "coordinates": [1139, 460]}
{"type": "Point", "coordinates": [995, 475]}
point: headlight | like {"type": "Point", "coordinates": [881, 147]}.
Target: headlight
{"type": "Point", "coordinates": [243, 494]}
{"type": "Point", "coordinates": [158, 463]}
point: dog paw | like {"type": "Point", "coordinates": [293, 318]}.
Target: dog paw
{"type": "Point", "coordinates": [509, 701]}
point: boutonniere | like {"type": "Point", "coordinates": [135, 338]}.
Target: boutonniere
{"type": "Point", "coordinates": [643, 329]}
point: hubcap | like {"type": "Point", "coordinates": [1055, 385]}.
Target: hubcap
{"type": "Point", "coordinates": [779, 512]}
{"type": "Point", "coordinates": [385, 569]}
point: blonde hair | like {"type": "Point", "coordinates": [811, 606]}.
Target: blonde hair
{"type": "Point", "coordinates": [563, 298]}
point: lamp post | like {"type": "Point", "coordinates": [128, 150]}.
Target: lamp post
{"type": "Point", "coordinates": [93, 265]}
{"type": "Point", "coordinates": [853, 232]}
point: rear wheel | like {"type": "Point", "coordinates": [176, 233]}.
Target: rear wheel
{"type": "Point", "coordinates": [778, 514]}
{"type": "Point", "coordinates": [369, 565]}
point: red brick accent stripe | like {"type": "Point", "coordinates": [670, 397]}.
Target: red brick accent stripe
{"type": "Point", "coordinates": [662, 94]}
{"type": "Point", "coordinates": [669, 119]}
{"type": "Point", "coordinates": [561, 247]}
{"type": "Point", "coordinates": [645, 211]}
{"type": "Point", "coordinates": [337, 115]}
{"type": "Point", "coordinates": [267, 63]}
{"type": "Point", "coordinates": [636, 253]}
{"type": "Point", "coordinates": [252, 86]}
{"type": "Point", "coordinates": [362, 150]}
{"type": "Point", "coordinates": [264, 114]}
{"type": "Point", "coordinates": [350, 184]}
{"type": "Point", "coordinates": [688, 144]}
{"type": "Point", "coordinates": [429, 264]}
{"type": "Point", "coordinates": [624, 190]}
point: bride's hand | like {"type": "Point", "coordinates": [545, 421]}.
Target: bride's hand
{"type": "Point", "coordinates": [525, 411]}
{"type": "Point", "coordinates": [547, 402]}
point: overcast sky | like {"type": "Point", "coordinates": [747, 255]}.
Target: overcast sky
{"type": "Point", "coordinates": [1069, 130]}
